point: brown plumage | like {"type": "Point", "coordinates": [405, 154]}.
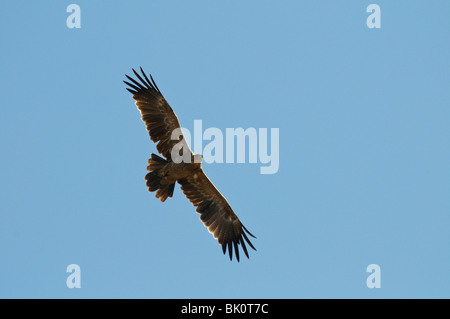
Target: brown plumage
{"type": "Point", "coordinates": [215, 212]}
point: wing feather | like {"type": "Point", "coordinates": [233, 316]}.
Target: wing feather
{"type": "Point", "coordinates": [216, 214]}
{"type": "Point", "coordinates": [159, 118]}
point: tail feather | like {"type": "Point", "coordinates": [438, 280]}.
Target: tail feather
{"type": "Point", "coordinates": [156, 163]}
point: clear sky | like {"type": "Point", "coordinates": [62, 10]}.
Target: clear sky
{"type": "Point", "coordinates": [364, 130]}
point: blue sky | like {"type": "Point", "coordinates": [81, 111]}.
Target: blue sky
{"type": "Point", "coordinates": [363, 116]}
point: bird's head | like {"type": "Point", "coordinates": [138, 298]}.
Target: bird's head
{"type": "Point", "coordinates": [197, 159]}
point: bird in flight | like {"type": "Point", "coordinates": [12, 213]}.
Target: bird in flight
{"type": "Point", "coordinates": [161, 121]}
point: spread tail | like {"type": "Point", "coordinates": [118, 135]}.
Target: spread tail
{"type": "Point", "coordinates": [154, 179]}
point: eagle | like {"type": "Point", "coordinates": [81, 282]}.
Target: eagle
{"type": "Point", "coordinates": [215, 212]}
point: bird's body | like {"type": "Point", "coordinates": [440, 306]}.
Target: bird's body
{"type": "Point", "coordinates": [215, 212]}
{"type": "Point", "coordinates": [173, 172]}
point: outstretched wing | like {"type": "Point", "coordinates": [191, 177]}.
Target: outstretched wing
{"type": "Point", "coordinates": [156, 113]}
{"type": "Point", "coordinates": [216, 214]}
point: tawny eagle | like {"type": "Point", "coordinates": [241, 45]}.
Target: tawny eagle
{"type": "Point", "coordinates": [215, 212]}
